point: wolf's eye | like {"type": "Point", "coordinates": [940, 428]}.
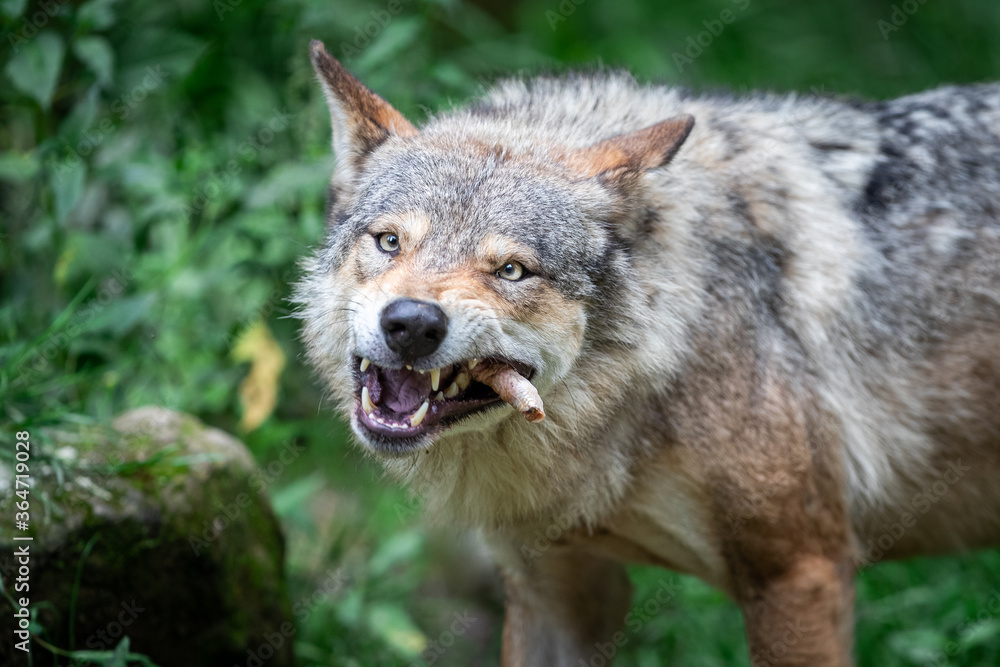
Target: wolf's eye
{"type": "Point", "coordinates": [388, 242]}
{"type": "Point", "coordinates": [511, 271]}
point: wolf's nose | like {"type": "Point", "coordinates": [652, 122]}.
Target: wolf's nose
{"type": "Point", "coordinates": [413, 328]}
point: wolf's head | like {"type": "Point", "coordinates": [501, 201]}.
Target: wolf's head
{"type": "Point", "coordinates": [470, 240]}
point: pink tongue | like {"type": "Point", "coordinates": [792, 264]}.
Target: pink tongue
{"type": "Point", "coordinates": [403, 391]}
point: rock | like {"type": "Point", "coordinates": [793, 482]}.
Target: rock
{"type": "Point", "coordinates": [172, 545]}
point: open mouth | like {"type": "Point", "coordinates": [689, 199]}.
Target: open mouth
{"type": "Point", "coordinates": [406, 403]}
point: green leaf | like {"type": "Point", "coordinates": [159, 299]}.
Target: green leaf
{"type": "Point", "coordinates": [294, 495]}
{"type": "Point", "coordinates": [918, 644]}
{"type": "Point", "coordinates": [17, 167]}
{"type": "Point", "coordinates": [286, 181]}
{"type": "Point", "coordinates": [80, 119]}
{"type": "Point", "coordinates": [980, 633]}
{"type": "Point", "coordinates": [120, 315]}
{"type": "Point", "coordinates": [398, 548]}
{"type": "Point", "coordinates": [120, 657]}
{"type": "Point", "coordinates": [350, 607]}
{"type": "Point", "coordinates": [156, 55]}
{"type": "Point", "coordinates": [96, 54]}
{"type": "Point", "coordinates": [397, 37]}
{"type": "Point", "coordinates": [97, 14]}
{"type": "Point", "coordinates": [392, 623]}
{"type": "Point", "coordinates": [67, 187]}
{"type": "Point", "coordinates": [34, 69]}
{"type": "Point", "coordinates": [12, 8]}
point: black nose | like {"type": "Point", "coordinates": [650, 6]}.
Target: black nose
{"type": "Point", "coordinates": [412, 328]}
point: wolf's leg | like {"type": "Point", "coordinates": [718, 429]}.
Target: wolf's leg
{"type": "Point", "coordinates": [802, 617]}
{"type": "Point", "coordinates": [790, 558]}
{"type": "Point", "coordinates": [562, 606]}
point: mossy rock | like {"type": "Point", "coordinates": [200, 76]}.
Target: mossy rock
{"type": "Point", "coordinates": [174, 547]}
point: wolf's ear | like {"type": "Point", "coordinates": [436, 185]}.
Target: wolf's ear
{"type": "Point", "coordinates": [361, 119]}
{"type": "Point", "coordinates": [633, 152]}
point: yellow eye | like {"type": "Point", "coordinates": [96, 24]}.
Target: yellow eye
{"type": "Point", "coordinates": [388, 242]}
{"type": "Point", "coordinates": [511, 271]}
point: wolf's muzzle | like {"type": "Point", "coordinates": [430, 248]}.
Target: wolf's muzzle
{"type": "Point", "coordinates": [413, 329]}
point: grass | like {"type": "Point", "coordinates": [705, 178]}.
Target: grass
{"type": "Point", "coordinates": [163, 167]}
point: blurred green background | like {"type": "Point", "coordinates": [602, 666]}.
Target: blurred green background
{"type": "Point", "coordinates": [163, 167]}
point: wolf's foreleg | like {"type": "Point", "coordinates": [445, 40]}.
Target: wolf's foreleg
{"type": "Point", "coordinates": [563, 607]}
{"type": "Point", "coordinates": [802, 618]}
{"type": "Point", "coordinates": [790, 557]}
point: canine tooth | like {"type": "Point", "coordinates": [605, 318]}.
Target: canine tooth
{"type": "Point", "coordinates": [451, 391]}
{"type": "Point", "coordinates": [439, 396]}
{"type": "Point", "coordinates": [463, 380]}
{"type": "Point", "coordinates": [364, 365]}
{"type": "Point", "coordinates": [419, 415]}
{"type": "Point", "coordinates": [366, 401]}
{"type": "Point", "coordinates": [435, 378]}
{"type": "Point", "coordinates": [473, 363]}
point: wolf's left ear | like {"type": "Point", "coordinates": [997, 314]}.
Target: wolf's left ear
{"type": "Point", "coordinates": [361, 119]}
{"type": "Point", "coordinates": [633, 152]}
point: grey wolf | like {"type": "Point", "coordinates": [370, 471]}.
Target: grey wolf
{"type": "Point", "coordinates": [765, 329]}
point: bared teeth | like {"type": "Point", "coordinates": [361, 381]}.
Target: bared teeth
{"type": "Point", "coordinates": [463, 380]}
{"type": "Point", "coordinates": [419, 415]}
{"type": "Point", "coordinates": [473, 363]}
{"type": "Point", "coordinates": [451, 391]}
{"type": "Point", "coordinates": [366, 401]}
{"type": "Point", "coordinates": [409, 367]}
{"type": "Point", "coordinates": [439, 396]}
{"type": "Point", "coordinates": [435, 378]}
{"type": "Point", "coordinates": [364, 365]}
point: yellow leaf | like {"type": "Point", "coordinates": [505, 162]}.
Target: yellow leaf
{"type": "Point", "coordinates": [62, 265]}
{"type": "Point", "coordinates": [393, 624]}
{"type": "Point", "coordinates": [259, 389]}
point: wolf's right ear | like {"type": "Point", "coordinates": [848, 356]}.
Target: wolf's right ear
{"type": "Point", "coordinates": [361, 119]}
{"type": "Point", "coordinates": [633, 152]}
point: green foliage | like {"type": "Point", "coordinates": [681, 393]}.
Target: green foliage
{"type": "Point", "coordinates": [120, 656]}
{"type": "Point", "coordinates": [163, 167]}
